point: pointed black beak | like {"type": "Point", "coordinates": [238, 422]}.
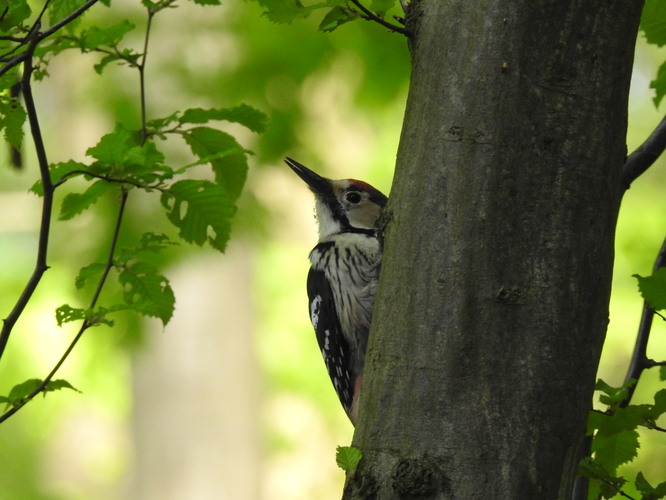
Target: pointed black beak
{"type": "Point", "coordinates": [318, 184]}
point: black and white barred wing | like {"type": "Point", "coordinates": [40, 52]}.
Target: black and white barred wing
{"type": "Point", "coordinates": [334, 348]}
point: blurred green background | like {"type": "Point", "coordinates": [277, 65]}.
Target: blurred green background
{"type": "Point", "coordinates": [231, 399]}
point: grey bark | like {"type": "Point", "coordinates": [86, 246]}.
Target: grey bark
{"type": "Point", "coordinates": [493, 300]}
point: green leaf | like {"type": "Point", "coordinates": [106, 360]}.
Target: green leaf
{"type": "Point", "coordinates": [659, 491]}
{"type": "Point", "coordinates": [65, 313]}
{"type": "Point", "coordinates": [147, 291]}
{"type": "Point", "coordinates": [381, 7]}
{"type": "Point", "coordinates": [14, 12]}
{"type": "Point", "coordinates": [12, 118]}
{"type": "Point", "coordinates": [112, 148]}
{"type": "Point", "coordinates": [659, 84]}
{"type": "Point", "coordinates": [93, 270]}
{"type": "Point", "coordinates": [151, 242]}
{"type": "Point", "coordinates": [662, 372]}
{"type": "Point", "coordinates": [246, 115]}
{"type": "Point", "coordinates": [653, 288]}
{"type": "Point", "coordinates": [20, 391]}
{"type": "Point", "coordinates": [284, 11]}
{"type": "Point", "coordinates": [653, 22]}
{"type": "Point", "coordinates": [613, 450]}
{"type": "Point", "coordinates": [348, 457]}
{"type": "Point", "coordinates": [95, 37]}
{"type": "Point", "coordinates": [336, 17]}
{"type": "Point", "coordinates": [201, 210]}
{"type": "Point", "coordinates": [207, 2]}
{"type": "Point", "coordinates": [230, 169]}
{"type": "Point", "coordinates": [642, 484]}
{"type": "Point", "coordinates": [75, 203]}
{"type": "Point", "coordinates": [602, 482]}
{"type": "Point", "coordinates": [58, 384]}
{"type": "Point", "coordinates": [612, 395]}
{"type": "Point", "coordinates": [63, 8]}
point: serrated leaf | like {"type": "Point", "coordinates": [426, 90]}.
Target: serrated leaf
{"type": "Point", "coordinates": [147, 291]}
{"type": "Point", "coordinates": [627, 418]}
{"type": "Point", "coordinates": [75, 203]}
{"type": "Point", "coordinates": [348, 457]}
{"type": "Point", "coordinates": [93, 270]}
{"type": "Point", "coordinates": [230, 169]}
{"type": "Point", "coordinates": [653, 22]}
{"type": "Point", "coordinates": [246, 115]}
{"type": "Point", "coordinates": [616, 449]}
{"type": "Point", "coordinates": [201, 210]}
{"type": "Point", "coordinates": [335, 18]}
{"type": "Point", "coordinates": [653, 288]}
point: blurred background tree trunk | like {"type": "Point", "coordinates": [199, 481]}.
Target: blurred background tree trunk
{"type": "Point", "coordinates": [493, 302]}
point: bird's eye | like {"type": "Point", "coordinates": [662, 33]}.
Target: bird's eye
{"type": "Point", "coordinates": [353, 197]}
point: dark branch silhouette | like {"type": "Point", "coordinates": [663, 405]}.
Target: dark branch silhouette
{"type": "Point", "coordinates": [645, 155]}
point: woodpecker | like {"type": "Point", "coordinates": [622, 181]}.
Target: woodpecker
{"type": "Point", "coordinates": [343, 276]}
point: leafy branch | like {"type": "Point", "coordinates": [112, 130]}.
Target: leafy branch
{"type": "Point", "coordinates": [612, 436]}
{"type": "Point", "coordinates": [121, 161]}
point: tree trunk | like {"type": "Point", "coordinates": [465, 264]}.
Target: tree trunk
{"type": "Point", "coordinates": [493, 301]}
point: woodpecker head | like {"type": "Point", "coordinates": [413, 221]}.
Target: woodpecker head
{"type": "Point", "coordinates": [342, 206]}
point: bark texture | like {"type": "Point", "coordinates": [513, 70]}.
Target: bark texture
{"type": "Point", "coordinates": [493, 301]}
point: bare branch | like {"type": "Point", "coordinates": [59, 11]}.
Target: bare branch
{"type": "Point", "coordinates": [645, 155]}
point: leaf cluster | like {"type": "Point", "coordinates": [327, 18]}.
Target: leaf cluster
{"type": "Point", "coordinates": [127, 159]}
{"type": "Point", "coordinates": [653, 26]}
{"type": "Point", "coordinates": [615, 441]}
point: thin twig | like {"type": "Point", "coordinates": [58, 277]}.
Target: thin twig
{"type": "Point", "coordinates": [142, 79]}
{"type": "Point", "coordinates": [86, 324]}
{"type": "Point", "coordinates": [639, 359]}
{"type": "Point", "coordinates": [645, 155]}
{"type": "Point", "coordinates": [47, 201]}
{"type": "Point", "coordinates": [367, 14]}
